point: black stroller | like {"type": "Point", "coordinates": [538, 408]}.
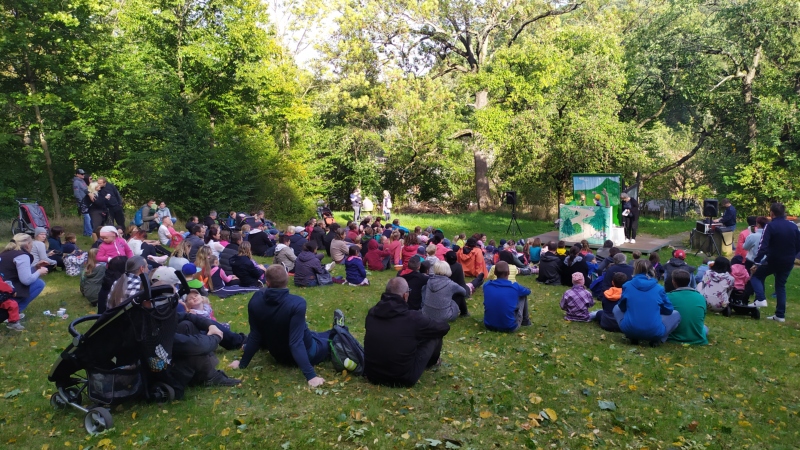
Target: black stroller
{"type": "Point", "coordinates": [740, 304]}
{"type": "Point", "coordinates": [123, 355]}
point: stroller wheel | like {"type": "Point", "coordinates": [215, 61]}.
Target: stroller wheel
{"type": "Point", "coordinates": [57, 402]}
{"type": "Point", "coordinates": [162, 393]}
{"type": "Point", "coordinates": [98, 420]}
{"type": "Point", "coordinates": [756, 313]}
{"type": "Point", "coordinates": [727, 311]}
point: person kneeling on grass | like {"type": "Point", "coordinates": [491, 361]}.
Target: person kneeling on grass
{"type": "Point", "coordinates": [577, 300]}
{"type": "Point", "coordinates": [505, 303]}
{"type": "Point", "coordinates": [644, 312]}
{"type": "Point", "coordinates": [400, 343]}
{"type": "Point", "coordinates": [692, 307]}
{"type": "Point", "coordinates": [278, 323]}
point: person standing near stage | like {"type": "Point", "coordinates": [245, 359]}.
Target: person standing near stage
{"type": "Point", "coordinates": [728, 219]}
{"type": "Point", "coordinates": [113, 201]}
{"type": "Point", "coordinates": [780, 244]}
{"type": "Point", "coordinates": [355, 201]}
{"type": "Point", "coordinates": [80, 190]}
{"type": "Point", "coordinates": [630, 217]}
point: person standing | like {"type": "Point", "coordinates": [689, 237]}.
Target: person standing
{"type": "Point", "coordinates": [780, 243]}
{"type": "Point", "coordinates": [80, 190]}
{"type": "Point", "coordinates": [355, 201]}
{"type": "Point", "coordinates": [630, 217]}
{"type": "Point", "coordinates": [113, 202]}
{"type": "Point", "coordinates": [387, 205]}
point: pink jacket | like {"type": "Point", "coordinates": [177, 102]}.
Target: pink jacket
{"type": "Point", "coordinates": [740, 276]}
{"type": "Point", "coordinates": [119, 248]}
{"type": "Point", "coordinates": [441, 250]}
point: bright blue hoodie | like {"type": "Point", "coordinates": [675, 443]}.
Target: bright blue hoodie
{"type": "Point", "coordinates": [643, 301]}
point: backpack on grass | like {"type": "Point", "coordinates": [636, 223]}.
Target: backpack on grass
{"type": "Point", "coordinates": [345, 347]}
{"type": "Point", "coordinates": [137, 218]}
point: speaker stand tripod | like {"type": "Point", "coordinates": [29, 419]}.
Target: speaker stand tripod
{"type": "Point", "coordinates": [513, 222]}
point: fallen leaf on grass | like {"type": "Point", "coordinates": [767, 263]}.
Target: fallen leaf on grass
{"type": "Point", "coordinates": [692, 426]}
{"type": "Point", "coordinates": [225, 432]}
{"type": "Point", "coordinates": [607, 405]}
{"type": "Point", "coordinates": [549, 414]}
{"type": "Point", "coordinates": [618, 430]}
{"type": "Point", "coordinates": [12, 394]}
{"type": "Point", "coordinates": [485, 414]}
{"type": "Point", "coordinates": [535, 399]}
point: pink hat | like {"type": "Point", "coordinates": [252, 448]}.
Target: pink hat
{"type": "Point", "coordinates": [577, 278]}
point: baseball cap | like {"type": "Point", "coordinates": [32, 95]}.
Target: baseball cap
{"type": "Point", "coordinates": [680, 254]}
{"type": "Point", "coordinates": [165, 274]}
{"type": "Point", "coordinates": [189, 269]}
{"type": "Point", "coordinates": [80, 172]}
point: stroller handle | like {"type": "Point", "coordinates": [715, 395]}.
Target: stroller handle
{"type": "Point", "coordinates": [72, 324]}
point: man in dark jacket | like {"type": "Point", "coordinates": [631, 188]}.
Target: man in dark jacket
{"type": "Point", "coordinates": [676, 263]}
{"type": "Point", "coordinates": [296, 241]}
{"type": "Point", "coordinates": [278, 324]}
{"type": "Point", "coordinates": [194, 361]}
{"type": "Point", "coordinates": [549, 266]}
{"type": "Point", "coordinates": [210, 219]}
{"type": "Point", "coordinates": [400, 343]}
{"type": "Point", "coordinates": [780, 243]}
{"type": "Point", "coordinates": [196, 241]}
{"type": "Point", "coordinates": [318, 236]}
{"type": "Point", "coordinates": [620, 266]}
{"type": "Point", "coordinates": [259, 240]}
{"type": "Point", "coordinates": [229, 252]}
{"type": "Point", "coordinates": [416, 283]}
{"type": "Point", "coordinates": [149, 216]}
{"type": "Point", "coordinates": [113, 201]}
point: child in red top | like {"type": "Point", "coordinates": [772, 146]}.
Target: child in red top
{"type": "Point", "coordinates": [10, 305]}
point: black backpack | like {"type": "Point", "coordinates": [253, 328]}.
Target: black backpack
{"type": "Point", "coordinates": [343, 346]}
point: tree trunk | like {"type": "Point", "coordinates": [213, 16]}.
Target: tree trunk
{"type": "Point", "coordinates": [43, 142]}
{"type": "Point", "coordinates": [481, 160]}
{"type": "Point", "coordinates": [747, 92]}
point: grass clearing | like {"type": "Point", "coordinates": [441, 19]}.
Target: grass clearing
{"type": "Point", "coordinates": [742, 391]}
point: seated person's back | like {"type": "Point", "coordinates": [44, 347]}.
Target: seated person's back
{"type": "Point", "coordinates": [692, 307]}
{"type": "Point", "coordinates": [400, 343]}
{"type": "Point", "coordinates": [502, 302]}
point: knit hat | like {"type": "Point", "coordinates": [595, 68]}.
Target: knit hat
{"type": "Point", "coordinates": [680, 254]}
{"type": "Point", "coordinates": [502, 242]}
{"type": "Point", "coordinates": [577, 278]}
{"type": "Point", "coordinates": [134, 264]}
{"type": "Point", "coordinates": [588, 258]}
{"type": "Point", "coordinates": [108, 229]}
{"type": "Point", "coordinates": [39, 230]}
{"type": "Point", "coordinates": [189, 269]}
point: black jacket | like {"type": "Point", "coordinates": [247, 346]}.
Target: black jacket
{"type": "Point", "coordinates": [248, 274]}
{"type": "Point", "coordinates": [625, 268]}
{"type": "Point", "coordinates": [457, 276]}
{"type": "Point", "coordinates": [225, 257]}
{"type": "Point", "coordinates": [577, 266]}
{"type": "Point", "coordinates": [780, 243]}
{"type": "Point", "coordinates": [259, 242]}
{"type": "Point", "coordinates": [115, 200]}
{"type": "Point", "coordinates": [393, 334]}
{"type": "Point", "coordinates": [194, 344]}
{"type": "Point", "coordinates": [306, 268]}
{"type": "Point", "coordinates": [208, 221]}
{"type": "Point", "coordinates": [671, 266]}
{"type": "Point", "coordinates": [296, 241]}
{"type": "Point", "coordinates": [549, 268]}
{"type": "Point", "coordinates": [328, 239]}
{"type": "Point", "coordinates": [416, 283]}
{"type": "Point", "coordinates": [318, 236]}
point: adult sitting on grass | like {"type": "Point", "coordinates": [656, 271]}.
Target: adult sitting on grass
{"type": "Point", "coordinates": [278, 323]}
{"type": "Point", "coordinates": [471, 258]}
{"type": "Point", "coordinates": [573, 263]}
{"type": "Point", "coordinates": [340, 249]}
{"type": "Point", "coordinates": [16, 270]}
{"type": "Point", "coordinates": [231, 250]}
{"type": "Point", "coordinates": [692, 307]}
{"type": "Point", "coordinates": [259, 240]}
{"type": "Point", "coordinates": [644, 312]}
{"type": "Point", "coordinates": [400, 343]}
{"type": "Point", "coordinates": [677, 262]}
{"type": "Point", "coordinates": [442, 298]}
{"type": "Point", "coordinates": [505, 303]}
{"type": "Point", "coordinates": [549, 265]}
{"type": "Point", "coordinates": [166, 233]}
{"type": "Point", "coordinates": [307, 266]}
{"type": "Point", "coordinates": [195, 241]}
{"type": "Point", "coordinates": [620, 266]}
{"type": "Point", "coordinates": [248, 271]}
{"type": "Point", "coordinates": [180, 256]}
{"type": "Point", "coordinates": [128, 285]}
{"type": "Point", "coordinates": [284, 255]}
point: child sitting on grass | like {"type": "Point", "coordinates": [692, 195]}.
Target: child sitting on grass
{"type": "Point", "coordinates": [356, 274]}
{"type": "Point", "coordinates": [585, 250]}
{"type": "Point", "coordinates": [702, 270]}
{"type": "Point", "coordinates": [577, 300]}
{"type": "Point", "coordinates": [10, 305]}
{"type": "Point", "coordinates": [561, 250]}
{"type": "Point", "coordinates": [636, 255]}
{"type": "Point", "coordinates": [431, 251]}
{"type": "Point", "coordinates": [717, 285]}
{"type": "Point", "coordinates": [658, 269]}
{"type": "Point", "coordinates": [70, 243]}
{"type": "Point", "coordinates": [591, 264]}
{"type": "Point", "coordinates": [609, 299]}
{"type": "Point", "coordinates": [534, 250]}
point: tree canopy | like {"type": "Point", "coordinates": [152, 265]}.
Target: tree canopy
{"type": "Point", "coordinates": [206, 104]}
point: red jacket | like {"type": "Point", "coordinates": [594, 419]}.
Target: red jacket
{"type": "Point", "coordinates": [407, 252]}
{"type": "Point", "coordinates": [396, 249]}
{"type": "Point", "coordinates": [374, 257]}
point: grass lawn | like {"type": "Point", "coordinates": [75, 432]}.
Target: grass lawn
{"type": "Point", "coordinates": [741, 391]}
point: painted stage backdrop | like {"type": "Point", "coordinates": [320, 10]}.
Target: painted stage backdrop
{"type": "Point", "coordinates": [591, 214]}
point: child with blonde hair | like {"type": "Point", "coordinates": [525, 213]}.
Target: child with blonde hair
{"type": "Point", "coordinates": [198, 304]}
{"type": "Point", "coordinates": [430, 250]}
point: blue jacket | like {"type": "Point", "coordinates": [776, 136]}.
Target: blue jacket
{"type": "Point", "coordinates": [500, 298]}
{"type": "Point", "coordinates": [643, 301]}
{"type": "Point", "coordinates": [354, 270]}
{"type": "Point", "coordinates": [278, 323]}
{"type": "Point", "coordinates": [780, 243]}
{"type": "Point", "coordinates": [728, 218]}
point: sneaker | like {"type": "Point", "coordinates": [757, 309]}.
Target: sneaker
{"type": "Point", "coordinates": [633, 241]}
{"type": "Point", "coordinates": [330, 265]}
{"type": "Point", "coordinates": [526, 323]}
{"type": "Point", "coordinates": [776, 318]}
{"type": "Point", "coordinates": [627, 240]}
{"type": "Point", "coordinates": [338, 317]}
{"type": "Point", "coordinates": [760, 303]}
{"type": "Point", "coordinates": [220, 379]}
{"type": "Point", "coordinates": [16, 326]}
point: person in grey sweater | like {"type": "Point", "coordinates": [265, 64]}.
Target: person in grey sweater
{"type": "Point", "coordinates": [284, 254]}
{"type": "Point", "coordinates": [437, 296]}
